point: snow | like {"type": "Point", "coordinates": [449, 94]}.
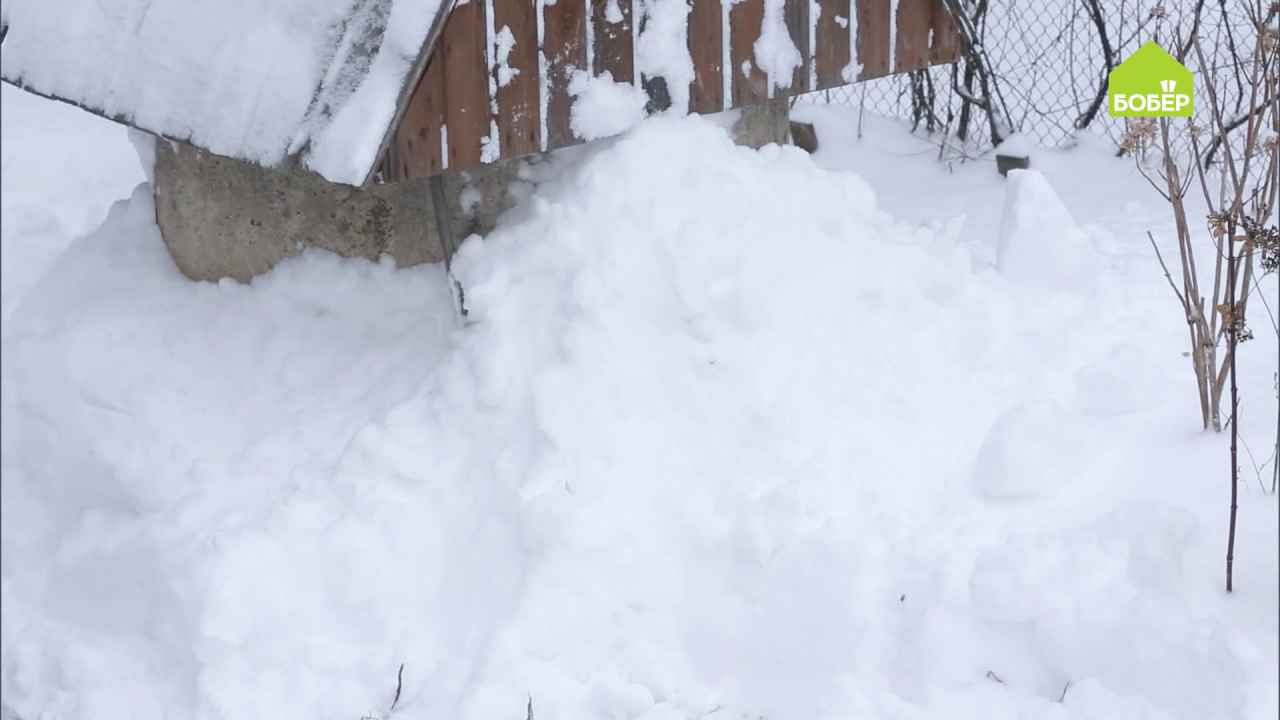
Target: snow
{"type": "Point", "coordinates": [602, 107]}
{"type": "Point", "coordinates": [728, 433]}
{"type": "Point", "coordinates": [1016, 145]}
{"type": "Point", "coordinates": [38, 223]}
{"type": "Point", "coordinates": [893, 36]}
{"type": "Point", "coordinates": [850, 72]}
{"type": "Point", "coordinates": [773, 51]}
{"type": "Point", "coordinates": [505, 42]}
{"type": "Point", "coordinates": [1040, 243]}
{"type": "Point", "coordinates": [662, 47]}
{"type": "Point", "coordinates": [1023, 456]}
{"type": "Point", "coordinates": [316, 78]}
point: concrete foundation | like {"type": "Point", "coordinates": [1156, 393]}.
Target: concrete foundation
{"type": "Point", "coordinates": [224, 218]}
{"type": "Point", "coordinates": [227, 218]}
{"type": "Point", "coordinates": [768, 122]}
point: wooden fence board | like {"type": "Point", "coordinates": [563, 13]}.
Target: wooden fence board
{"type": "Point", "coordinates": [752, 86]}
{"type": "Point", "coordinates": [565, 49]}
{"type": "Point", "coordinates": [832, 53]}
{"type": "Point", "coordinates": [796, 15]}
{"type": "Point", "coordinates": [914, 18]}
{"type": "Point", "coordinates": [614, 46]}
{"type": "Point", "coordinates": [706, 48]}
{"type": "Point", "coordinates": [873, 38]}
{"type": "Point", "coordinates": [519, 107]}
{"type": "Point", "coordinates": [945, 36]}
{"type": "Point", "coordinates": [466, 86]}
{"type": "Point", "coordinates": [416, 150]}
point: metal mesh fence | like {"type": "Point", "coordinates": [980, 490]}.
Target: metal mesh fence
{"type": "Point", "coordinates": [1049, 62]}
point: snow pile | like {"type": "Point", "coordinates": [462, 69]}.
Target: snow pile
{"type": "Point", "coordinates": [722, 439]}
{"type": "Point", "coordinates": [1040, 243]}
{"type": "Point", "coordinates": [242, 78]}
{"type": "Point", "coordinates": [46, 202]}
{"type": "Point", "coordinates": [1023, 455]}
{"type": "Point", "coordinates": [602, 107]}
{"type": "Point", "coordinates": [183, 440]}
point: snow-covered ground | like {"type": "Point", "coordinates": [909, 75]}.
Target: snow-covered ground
{"type": "Point", "coordinates": [732, 434]}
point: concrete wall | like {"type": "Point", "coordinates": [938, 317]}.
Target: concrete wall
{"type": "Point", "coordinates": [227, 218]}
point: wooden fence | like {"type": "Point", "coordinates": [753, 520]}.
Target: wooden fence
{"type": "Point", "coordinates": [458, 100]}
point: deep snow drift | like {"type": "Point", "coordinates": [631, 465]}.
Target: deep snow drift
{"type": "Point", "coordinates": [724, 439]}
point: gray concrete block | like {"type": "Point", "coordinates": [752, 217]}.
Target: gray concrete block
{"type": "Point", "coordinates": [227, 218]}
{"type": "Point", "coordinates": [768, 122]}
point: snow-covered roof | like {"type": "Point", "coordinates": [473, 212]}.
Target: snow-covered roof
{"type": "Point", "coordinates": [259, 80]}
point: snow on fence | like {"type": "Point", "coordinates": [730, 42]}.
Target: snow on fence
{"type": "Point", "coordinates": [504, 77]}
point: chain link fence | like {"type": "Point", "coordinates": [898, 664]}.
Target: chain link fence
{"type": "Point", "coordinates": [1049, 61]}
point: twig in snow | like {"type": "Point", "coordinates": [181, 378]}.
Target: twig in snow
{"type": "Point", "coordinates": [1065, 688]}
{"type": "Point", "coordinates": [991, 675]}
{"type": "Point", "coordinates": [394, 700]}
{"type": "Point", "coordinates": [1256, 468]}
{"type": "Point", "coordinates": [399, 685]}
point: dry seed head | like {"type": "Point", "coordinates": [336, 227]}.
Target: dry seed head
{"type": "Point", "coordinates": [1138, 133]}
{"type": "Point", "coordinates": [1267, 39]}
{"type": "Point", "coordinates": [1217, 224]}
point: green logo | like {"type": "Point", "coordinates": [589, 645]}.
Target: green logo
{"type": "Point", "coordinates": [1150, 84]}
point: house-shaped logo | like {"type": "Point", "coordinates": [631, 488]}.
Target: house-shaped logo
{"type": "Point", "coordinates": [1151, 83]}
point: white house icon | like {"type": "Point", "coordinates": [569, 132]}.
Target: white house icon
{"type": "Point", "coordinates": [1168, 85]}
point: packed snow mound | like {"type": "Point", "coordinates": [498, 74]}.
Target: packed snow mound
{"type": "Point", "coordinates": [1029, 452]}
{"type": "Point", "coordinates": [243, 78]}
{"type": "Point", "coordinates": [1116, 383]}
{"type": "Point", "coordinates": [45, 205]}
{"type": "Point", "coordinates": [602, 107]}
{"type": "Point", "coordinates": [1040, 243]}
{"type": "Point", "coordinates": [705, 448]}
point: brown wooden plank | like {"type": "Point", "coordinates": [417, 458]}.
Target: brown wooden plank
{"type": "Point", "coordinates": [796, 15]}
{"type": "Point", "coordinates": [613, 44]}
{"type": "Point", "coordinates": [466, 91]}
{"type": "Point", "coordinates": [519, 122]}
{"type": "Point", "coordinates": [416, 151]}
{"type": "Point", "coordinates": [744, 28]}
{"type": "Point", "coordinates": [706, 48]}
{"type": "Point", "coordinates": [873, 38]}
{"type": "Point", "coordinates": [912, 38]}
{"type": "Point", "coordinates": [945, 46]}
{"type": "Point", "coordinates": [832, 54]}
{"type": "Point", "coordinates": [565, 48]}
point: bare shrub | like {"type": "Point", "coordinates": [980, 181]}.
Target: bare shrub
{"type": "Point", "coordinates": [1232, 162]}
